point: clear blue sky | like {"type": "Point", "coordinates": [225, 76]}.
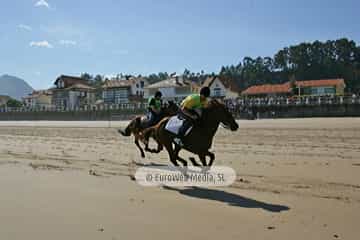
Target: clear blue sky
{"type": "Point", "coordinates": [41, 39]}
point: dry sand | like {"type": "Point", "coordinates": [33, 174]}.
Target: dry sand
{"type": "Point", "coordinates": [308, 168]}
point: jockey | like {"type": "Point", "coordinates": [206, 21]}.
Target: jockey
{"type": "Point", "coordinates": [154, 109]}
{"type": "Point", "coordinates": [191, 109]}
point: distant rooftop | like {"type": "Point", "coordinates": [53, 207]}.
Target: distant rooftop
{"type": "Point", "coordinates": [170, 82]}
{"type": "Point", "coordinates": [286, 87]}
{"type": "Point", "coordinates": [121, 83]}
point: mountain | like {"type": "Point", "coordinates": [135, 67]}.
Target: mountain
{"type": "Point", "coordinates": [14, 87]}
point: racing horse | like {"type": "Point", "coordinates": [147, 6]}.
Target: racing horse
{"type": "Point", "coordinates": [200, 138]}
{"type": "Point", "coordinates": [139, 123]}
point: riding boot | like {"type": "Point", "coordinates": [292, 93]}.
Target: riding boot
{"type": "Point", "coordinates": [179, 140]}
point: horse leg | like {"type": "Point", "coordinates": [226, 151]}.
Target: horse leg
{"type": "Point", "coordinates": [147, 149]}
{"type": "Point", "coordinates": [194, 162]}
{"type": "Point", "coordinates": [212, 158]}
{"type": "Point", "coordinates": [145, 138]}
{"type": "Point", "coordinates": [183, 161]}
{"type": "Point", "coordinates": [139, 147]}
{"type": "Point", "coordinates": [172, 154]}
{"type": "Point", "coordinates": [202, 158]}
{"type": "Point", "coordinates": [159, 147]}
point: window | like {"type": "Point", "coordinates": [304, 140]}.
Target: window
{"type": "Point", "coordinates": [61, 84]}
{"type": "Point", "coordinates": [330, 90]}
{"type": "Point", "coordinates": [121, 95]}
{"type": "Point", "coordinates": [217, 92]}
{"type": "Point", "coordinates": [314, 91]}
{"type": "Point", "coordinates": [137, 85]}
{"type": "Point", "coordinates": [142, 84]}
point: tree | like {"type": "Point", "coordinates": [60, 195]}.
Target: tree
{"type": "Point", "coordinates": [86, 76]}
{"type": "Point", "coordinates": [98, 80]}
{"type": "Point", "coordinates": [14, 103]}
{"type": "Point", "coordinates": [305, 61]}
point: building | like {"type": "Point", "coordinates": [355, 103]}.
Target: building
{"type": "Point", "coordinates": [221, 89]}
{"type": "Point", "coordinates": [41, 99]}
{"type": "Point", "coordinates": [72, 92]}
{"type": "Point", "coordinates": [173, 88]}
{"type": "Point", "coordinates": [320, 87]}
{"type": "Point", "coordinates": [301, 88]}
{"type": "Point", "coordinates": [3, 100]}
{"type": "Point", "coordinates": [124, 91]}
{"type": "Point", "coordinates": [268, 90]}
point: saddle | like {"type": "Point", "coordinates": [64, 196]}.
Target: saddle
{"type": "Point", "coordinates": [177, 122]}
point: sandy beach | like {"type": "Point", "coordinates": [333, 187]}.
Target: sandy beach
{"type": "Point", "coordinates": [296, 179]}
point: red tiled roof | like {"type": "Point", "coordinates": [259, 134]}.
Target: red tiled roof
{"type": "Point", "coordinates": [285, 87]}
{"type": "Point", "coordinates": [320, 83]}
{"type": "Point", "coordinates": [268, 89]}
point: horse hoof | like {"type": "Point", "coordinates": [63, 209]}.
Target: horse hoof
{"type": "Point", "coordinates": [205, 169]}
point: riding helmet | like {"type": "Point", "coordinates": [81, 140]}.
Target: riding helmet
{"type": "Point", "coordinates": [158, 94]}
{"type": "Point", "coordinates": [205, 91]}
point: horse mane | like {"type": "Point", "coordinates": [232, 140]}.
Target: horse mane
{"type": "Point", "coordinates": [214, 103]}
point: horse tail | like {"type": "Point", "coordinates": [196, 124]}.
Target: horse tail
{"type": "Point", "coordinates": [130, 127]}
{"type": "Point", "coordinates": [126, 132]}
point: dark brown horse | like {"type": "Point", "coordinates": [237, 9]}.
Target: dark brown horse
{"type": "Point", "coordinates": [139, 123]}
{"type": "Point", "coordinates": [199, 140]}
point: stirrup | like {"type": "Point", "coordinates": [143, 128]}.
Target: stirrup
{"type": "Point", "coordinates": [178, 142]}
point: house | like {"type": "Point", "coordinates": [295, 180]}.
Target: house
{"type": "Point", "coordinates": [124, 91]}
{"type": "Point", "coordinates": [173, 88]}
{"type": "Point", "coordinates": [3, 100]}
{"type": "Point", "coordinates": [220, 88]}
{"type": "Point", "coordinates": [301, 88]}
{"type": "Point", "coordinates": [320, 87]}
{"type": "Point", "coordinates": [72, 92]}
{"type": "Point", "coordinates": [41, 99]}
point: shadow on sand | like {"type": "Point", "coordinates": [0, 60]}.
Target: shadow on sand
{"type": "Point", "coordinates": [151, 164]}
{"type": "Point", "coordinates": [229, 198]}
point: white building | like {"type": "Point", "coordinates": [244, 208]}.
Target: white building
{"type": "Point", "coordinates": [219, 89]}
{"type": "Point", "coordinates": [40, 99]}
{"type": "Point", "coordinates": [174, 89]}
{"type": "Point", "coordinates": [72, 92]}
{"type": "Point", "coordinates": [124, 91]}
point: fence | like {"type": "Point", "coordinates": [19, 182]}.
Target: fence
{"type": "Point", "coordinates": [248, 108]}
{"type": "Point", "coordinates": [104, 107]}
{"type": "Point", "coordinates": [291, 101]}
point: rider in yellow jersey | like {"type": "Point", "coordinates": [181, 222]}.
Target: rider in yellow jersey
{"type": "Point", "coordinates": [191, 108]}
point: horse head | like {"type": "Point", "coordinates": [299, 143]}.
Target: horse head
{"type": "Point", "coordinates": [221, 113]}
{"type": "Point", "coordinates": [170, 109]}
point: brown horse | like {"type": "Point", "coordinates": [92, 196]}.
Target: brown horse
{"type": "Point", "coordinates": [199, 140]}
{"type": "Point", "coordinates": [139, 123]}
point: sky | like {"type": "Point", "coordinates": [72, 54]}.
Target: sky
{"type": "Point", "coordinates": [42, 39]}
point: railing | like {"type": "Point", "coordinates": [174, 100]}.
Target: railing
{"type": "Point", "coordinates": [231, 103]}
{"type": "Point", "coordinates": [295, 101]}
{"type": "Point", "coordinates": [102, 107]}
